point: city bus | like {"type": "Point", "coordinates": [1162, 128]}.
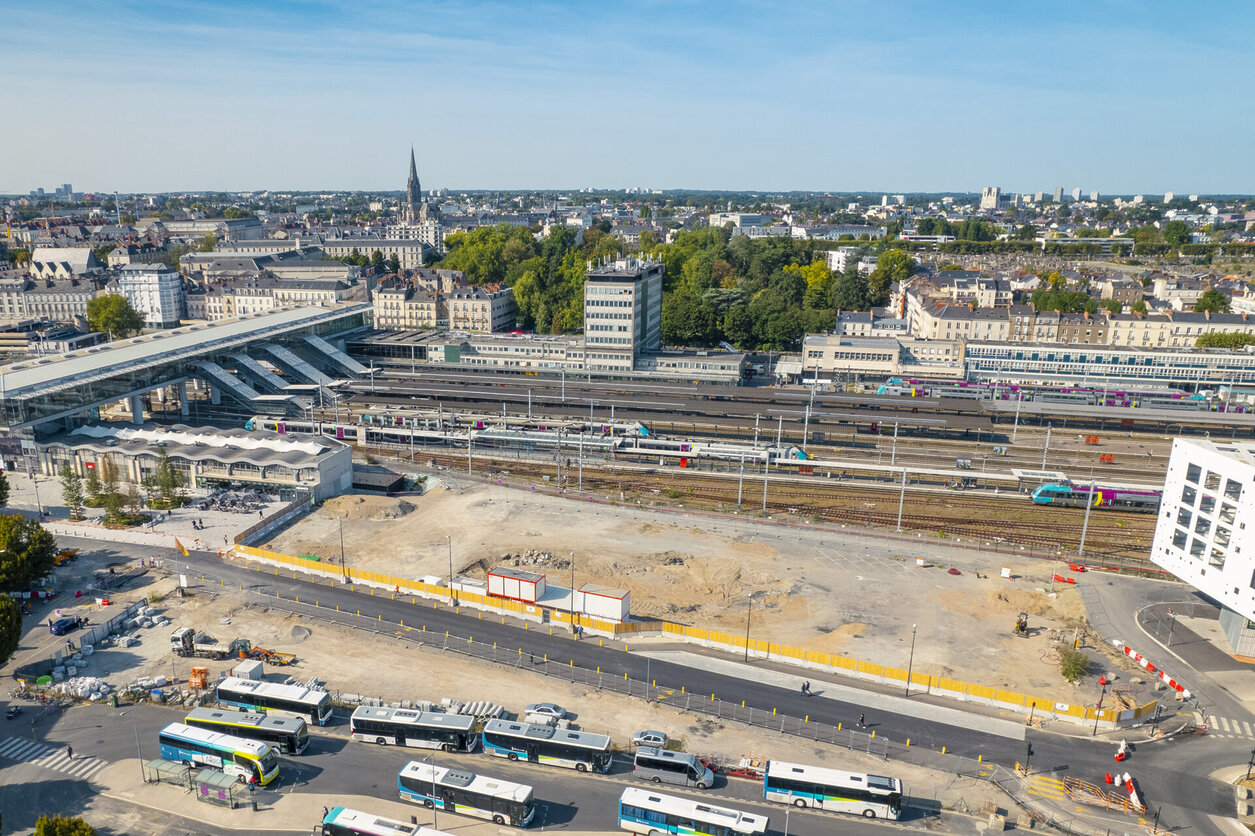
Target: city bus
{"type": "Point", "coordinates": [407, 727]}
{"type": "Point", "coordinates": [290, 735]}
{"type": "Point", "coordinates": [228, 754]}
{"type": "Point", "coordinates": [466, 793]}
{"type": "Point", "coordinates": [873, 796]}
{"type": "Point", "coordinates": [649, 812]}
{"type": "Point", "coordinates": [297, 700]}
{"type": "Point", "coordinates": [536, 743]}
{"type": "Point", "coordinates": [341, 821]}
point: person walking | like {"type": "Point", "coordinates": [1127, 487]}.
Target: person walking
{"type": "Point", "coordinates": [69, 752]}
{"type": "Point", "coordinates": [861, 717]}
{"type": "Point", "coordinates": [325, 811]}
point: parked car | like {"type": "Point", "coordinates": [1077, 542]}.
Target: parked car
{"type": "Point", "coordinates": [649, 737]}
{"type": "Point", "coordinates": [546, 709]}
{"type": "Point", "coordinates": [62, 626]}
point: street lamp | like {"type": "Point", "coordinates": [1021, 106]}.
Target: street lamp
{"type": "Point", "coordinates": [1172, 626]}
{"type": "Point", "coordinates": [911, 664]}
{"type": "Point", "coordinates": [1098, 709]}
{"type": "Point", "coordinates": [749, 608]}
{"type": "Point", "coordinates": [427, 760]}
{"type": "Point", "coordinates": [1028, 755]}
{"type": "Point", "coordinates": [574, 627]}
{"type": "Point", "coordinates": [449, 538]}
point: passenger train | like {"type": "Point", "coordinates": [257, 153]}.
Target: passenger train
{"type": "Point", "coordinates": [1087, 396]}
{"type": "Point", "coordinates": [1109, 499]}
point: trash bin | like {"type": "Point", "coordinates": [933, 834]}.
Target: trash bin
{"type": "Point", "coordinates": [113, 700]}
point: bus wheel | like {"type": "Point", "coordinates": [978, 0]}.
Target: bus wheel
{"type": "Point", "coordinates": [429, 804]}
{"type": "Point", "coordinates": [579, 767]}
{"type": "Point", "coordinates": [381, 741]}
{"type": "Point", "coordinates": [799, 802]}
{"type": "Point", "coordinates": [869, 814]}
{"type": "Point", "coordinates": [656, 779]}
{"type": "Point", "coordinates": [513, 756]}
{"type": "Point", "coordinates": [498, 819]}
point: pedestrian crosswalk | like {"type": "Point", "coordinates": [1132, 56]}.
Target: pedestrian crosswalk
{"type": "Point", "coordinates": [1224, 727]}
{"type": "Point", "coordinates": [50, 757]}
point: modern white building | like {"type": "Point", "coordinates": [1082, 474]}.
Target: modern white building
{"type": "Point", "coordinates": [622, 313]}
{"type": "Point", "coordinates": [1206, 530]}
{"type": "Point", "coordinates": [156, 291]}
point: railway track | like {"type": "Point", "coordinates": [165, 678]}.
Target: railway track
{"type": "Point", "coordinates": [1111, 537]}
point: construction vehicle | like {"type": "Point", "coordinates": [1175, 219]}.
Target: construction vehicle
{"type": "Point", "coordinates": [64, 556]}
{"type": "Point", "coordinates": [187, 642]}
{"type": "Point", "coordinates": [1021, 624]}
{"type": "Point", "coordinates": [274, 657]}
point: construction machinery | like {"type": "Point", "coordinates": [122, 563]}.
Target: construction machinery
{"type": "Point", "coordinates": [187, 642]}
{"type": "Point", "coordinates": [1021, 624]}
{"type": "Point", "coordinates": [64, 556]}
{"type": "Point", "coordinates": [274, 657]}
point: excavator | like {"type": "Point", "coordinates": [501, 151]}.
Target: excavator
{"type": "Point", "coordinates": [272, 657]}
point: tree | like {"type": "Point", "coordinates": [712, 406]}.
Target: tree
{"type": "Point", "coordinates": [91, 484]}
{"type": "Point", "coordinates": [1216, 339]}
{"type": "Point", "coordinates": [62, 826]}
{"type": "Point", "coordinates": [1073, 664]}
{"type": "Point", "coordinates": [112, 503]}
{"type": "Point", "coordinates": [376, 259]}
{"type": "Point", "coordinates": [10, 627]}
{"type": "Point", "coordinates": [108, 475]}
{"type": "Point", "coordinates": [166, 477]}
{"type": "Point", "coordinates": [394, 263]}
{"type": "Point", "coordinates": [1138, 307]}
{"type": "Point", "coordinates": [102, 252]}
{"type": "Point", "coordinates": [1175, 233]}
{"type": "Point", "coordinates": [71, 490]}
{"type": "Point", "coordinates": [892, 266]}
{"type": "Point", "coordinates": [113, 315]}
{"type": "Point", "coordinates": [1112, 306]}
{"type": "Point", "coordinates": [207, 244]}
{"type": "Point", "coordinates": [1212, 301]}
{"type": "Point", "coordinates": [26, 552]}
{"type": "Point", "coordinates": [849, 291]}
{"type": "Point", "coordinates": [4, 490]}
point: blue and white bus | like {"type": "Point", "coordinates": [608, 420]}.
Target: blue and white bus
{"type": "Point", "coordinates": [871, 796]}
{"type": "Point", "coordinates": [407, 727]}
{"type": "Point", "coordinates": [290, 735]}
{"type": "Point", "coordinates": [535, 743]}
{"type": "Point", "coordinates": [466, 793]}
{"type": "Point", "coordinates": [297, 700]}
{"type": "Point", "coordinates": [649, 812]}
{"type": "Point", "coordinates": [236, 756]}
{"type": "Point", "coordinates": [341, 821]}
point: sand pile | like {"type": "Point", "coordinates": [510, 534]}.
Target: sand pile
{"type": "Point", "coordinates": [365, 507]}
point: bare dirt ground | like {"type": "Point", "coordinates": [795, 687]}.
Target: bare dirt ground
{"type": "Point", "coordinates": [820, 589]}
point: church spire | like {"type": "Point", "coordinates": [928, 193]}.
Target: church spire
{"type": "Point", "coordinates": [413, 191]}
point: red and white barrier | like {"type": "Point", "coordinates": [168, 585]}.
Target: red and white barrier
{"type": "Point", "coordinates": [1151, 668]}
{"type": "Point", "coordinates": [1132, 788]}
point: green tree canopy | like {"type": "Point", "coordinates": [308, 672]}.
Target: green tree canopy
{"type": "Point", "coordinates": [1138, 307]}
{"type": "Point", "coordinates": [62, 826]}
{"type": "Point", "coordinates": [1212, 301]}
{"type": "Point", "coordinates": [4, 490]}
{"type": "Point", "coordinates": [892, 266]}
{"type": "Point", "coordinates": [1175, 233]}
{"type": "Point", "coordinates": [113, 315]}
{"type": "Point", "coordinates": [26, 552]}
{"type": "Point", "coordinates": [1215, 339]}
{"type": "Point", "coordinates": [1112, 306]}
{"type": "Point", "coordinates": [10, 627]}
{"type": "Point", "coordinates": [72, 490]}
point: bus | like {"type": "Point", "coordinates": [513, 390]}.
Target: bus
{"type": "Point", "coordinates": [536, 743]}
{"type": "Point", "coordinates": [466, 793]}
{"type": "Point", "coordinates": [341, 821]}
{"type": "Point", "coordinates": [649, 812]}
{"type": "Point", "coordinates": [313, 706]}
{"type": "Point", "coordinates": [873, 796]}
{"type": "Point", "coordinates": [228, 754]}
{"type": "Point", "coordinates": [290, 735]}
{"type": "Point", "coordinates": [664, 767]}
{"type": "Point", "coordinates": [407, 727]}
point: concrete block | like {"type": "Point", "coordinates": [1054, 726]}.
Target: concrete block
{"type": "Point", "coordinates": [997, 823]}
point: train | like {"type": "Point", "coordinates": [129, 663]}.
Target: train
{"type": "Point", "coordinates": [1108, 499]}
{"type": "Point", "coordinates": [1086, 396]}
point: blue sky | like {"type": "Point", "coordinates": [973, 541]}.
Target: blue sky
{"type": "Point", "coordinates": [158, 95]}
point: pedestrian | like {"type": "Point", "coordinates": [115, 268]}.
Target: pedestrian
{"type": "Point", "coordinates": [202, 524]}
{"type": "Point", "coordinates": [252, 783]}
{"type": "Point", "coordinates": [69, 752]}
{"type": "Point", "coordinates": [860, 720]}
{"type": "Point", "coordinates": [532, 656]}
{"type": "Point", "coordinates": [325, 811]}
{"type": "Point", "coordinates": [261, 514]}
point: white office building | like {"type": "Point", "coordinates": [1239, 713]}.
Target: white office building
{"type": "Point", "coordinates": [1206, 530]}
{"type": "Point", "coordinates": [622, 313]}
{"type": "Point", "coordinates": [156, 291]}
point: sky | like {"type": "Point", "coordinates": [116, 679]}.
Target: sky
{"type": "Point", "coordinates": [1119, 96]}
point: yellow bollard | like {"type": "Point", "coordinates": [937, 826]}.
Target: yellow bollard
{"type": "Point", "coordinates": [599, 669]}
{"type": "Point", "coordinates": [681, 689]}
{"type": "Point", "coordinates": [742, 703]}
{"type": "Point", "coordinates": [572, 663]}
{"type": "Point", "coordinates": [359, 612]}
{"type": "Point", "coordinates": [873, 732]}
{"type": "Point", "coordinates": [381, 616]}
{"type": "Point", "coordinates": [943, 750]}
{"type": "Point", "coordinates": [806, 719]}
{"type": "Point", "coordinates": [337, 607]}
{"type": "Point", "coordinates": [625, 677]}
{"type": "Point", "coordinates": [470, 639]}
{"type": "Point", "coordinates": [403, 622]}
{"type": "Point", "coordinates": [908, 743]}
{"type": "Point", "coordinates": [980, 758]}
{"type": "Point", "coordinates": [298, 599]}
{"type": "Point", "coordinates": [424, 628]}
{"type": "Point", "coordinates": [773, 712]}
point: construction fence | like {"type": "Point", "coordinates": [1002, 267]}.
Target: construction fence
{"type": "Point", "coordinates": [1028, 706]}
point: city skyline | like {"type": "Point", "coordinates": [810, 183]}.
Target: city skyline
{"type": "Point", "coordinates": [745, 97]}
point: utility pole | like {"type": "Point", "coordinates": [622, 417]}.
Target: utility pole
{"type": "Point", "coordinates": [449, 538]}
{"type": "Point", "coordinates": [470, 442]}
{"type": "Point", "coordinates": [749, 609]}
{"type": "Point", "coordinates": [766, 468]}
{"type": "Point", "coordinates": [756, 430]}
{"type": "Point", "coordinates": [893, 454]}
{"type": "Point", "coordinates": [740, 480]}
{"type": "Point", "coordinates": [1045, 449]}
{"type": "Point", "coordinates": [911, 664]}
{"type": "Point", "coordinates": [529, 404]}
{"type": "Point", "coordinates": [1080, 551]}
{"type": "Point", "coordinates": [344, 574]}
{"type": "Point", "coordinates": [806, 424]}
{"type": "Point", "coordinates": [581, 478]}
{"type": "Point", "coordinates": [901, 500]}
{"type": "Point", "coordinates": [574, 626]}
{"type": "Point", "coordinates": [779, 428]}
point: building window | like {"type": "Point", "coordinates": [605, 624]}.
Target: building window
{"type": "Point", "coordinates": [1179, 539]}
{"type": "Point", "coordinates": [1212, 482]}
{"type": "Point", "coordinates": [1187, 495]}
{"type": "Point", "coordinates": [1233, 489]}
{"type": "Point", "coordinates": [1197, 547]}
{"type": "Point", "coordinates": [1227, 512]}
{"type": "Point", "coordinates": [1184, 516]}
{"type": "Point", "coordinates": [1193, 473]}
{"type": "Point", "coordinates": [1202, 525]}
{"type": "Point", "coordinates": [1207, 505]}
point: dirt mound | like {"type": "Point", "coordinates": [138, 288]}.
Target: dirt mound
{"type": "Point", "coordinates": [1021, 600]}
{"type": "Point", "coordinates": [366, 507]}
{"type": "Point", "coordinates": [300, 633]}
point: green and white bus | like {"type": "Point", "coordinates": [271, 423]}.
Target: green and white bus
{"type": "Point", "coordinates": [235, 756]}
{"type": "Point", "coordinates": [652, 813]}
{"type": "Point", "coordinates": [407, 727]}
{"type": "Point", "coordinates": [872, 796]}
{"type": "Point", "coordinates": [466, 793]}
{"type": "Point", "coordinates": [290, 735]}
{"type": "Point", "coordinates": [341, 821]}
{"type": "Point", "coordinates": [535, 743]}
{"type": "Point", "coordinates": [297, 700]}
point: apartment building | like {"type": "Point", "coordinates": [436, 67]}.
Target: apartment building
{"type": "Point", "coordinates": [442, 299]}
{"type": "Point", "coordinates": [481, 308]}
{"type": "Point", "coordinates": [156, 292]}
{"type": "Point", "coordinates": [622, 313]}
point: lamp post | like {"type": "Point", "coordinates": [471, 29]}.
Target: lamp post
{"type": "Point", "coordinates": [1250, 764]}
{"type": "Point", "coordinates": [1101, 697]}
{"type": "Point", "coordinates": [432, 766]}
{"type": "Point", "coordinates": [574, 626]}
{"type": "Point", "coordinates": [1172, 626]}
{"type": "Point", "coordinates": [749, 609]}
{"type": "Point", "coordinates": [911, 664]}
{"type": "Point", "coordinates": [449, 539]}
{"type": "Point", "coordinates": [344, 574]}
{"type": "Point", "coordinates": [1028, 755]}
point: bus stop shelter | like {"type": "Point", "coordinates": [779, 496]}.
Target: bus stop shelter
{"type": "Point", "coordinates": [214, 787]}
{"type": "Point", "coordinates": [167, 772]}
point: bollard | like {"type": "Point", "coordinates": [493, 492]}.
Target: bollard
{"type": "Point", "coordinates": [681, 689]}
{"type": "Point", "coordinates": [572, 663]}
{"type": "Point", "coordinates": [381, 616]}
{"type": "Point", "coordinates": [873, 732]}
{"type": "Point", "coordinates": [599, 669]}
{"type": "Point", "coordinates": [315, 603]}
{"type": "Point", "coordinates": [403, 622]}
{"type": "Point", "coordinates": [773, 712]}
{"type": "Point", "coordinates": [806, 719]}
{"type": "Point", "coordinates": [943, 750]}
{"type": "Point", "coordinates": [838, 727]}
{"type": "Point", "coordinates": [337, 607]}
{"type": "Point", "coordinates": [359, 612]}
{"type": "Point", "coordinates": [625, 679]}
{"type": "Point", "coordinates": [908, 743]}
{"type": "Point", "coordinates": [298, 599]}
{"type": "Point", "coordinates": [980, 758]}
{"type": "Point", "coordinates": [470, 640]}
